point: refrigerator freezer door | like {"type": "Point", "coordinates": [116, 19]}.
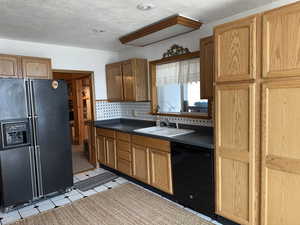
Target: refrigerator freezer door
{"type": "Point", "coordinates": [13, 99]}
{"type": "Point", "coordinates": [52, 135]}
{"type": "Point", "coordinates": [18, 183]}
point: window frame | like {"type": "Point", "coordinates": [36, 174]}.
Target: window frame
{"type": "Point", "coordinates": [153, 89]}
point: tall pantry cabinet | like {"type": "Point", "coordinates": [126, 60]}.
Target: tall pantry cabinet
{"type": "Point", "coordinates": [281, 116]}
{"type": "Point", "coordinates": [237, 69]}
{"type": "Point", "coordinates": [257, 116]}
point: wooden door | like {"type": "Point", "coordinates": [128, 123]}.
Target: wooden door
{"type": "Point", "coordinates": [280, 153]}
{"type": "Point", "coordinates": [111, 154]}
{"type": "Point", "coordinates": [140, 163]}
{"type": "Point", "coordinates": [281, 42]}
{"type": "Point", "coordinates": [9, 66]}
{"type": "Point", "coordinates": [160, 170]}
{"type": "Point", "coordinates": [236, 152]}
{"type": "Point", "coordinates": [101, 149]}
{"type": "Point", "coordinates": [236, 50]}
{"type": "Point", "coordinates": [128, 80]}
{"type": "Point", "coordinates": [114, 82]}
{"type": "Point", "coordinates": [206, 67]}
{"type": "Point", "coordinates": [36, 68]}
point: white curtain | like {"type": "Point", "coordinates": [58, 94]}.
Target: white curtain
{"type": "Point", "coordinates": [181, 72]}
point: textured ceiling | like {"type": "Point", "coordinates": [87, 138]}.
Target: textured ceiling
{"type": "Point", "coordinates": [71, 22]}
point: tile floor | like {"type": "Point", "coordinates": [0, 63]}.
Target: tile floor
{"type": "Point", "coordinates": [63, 199]}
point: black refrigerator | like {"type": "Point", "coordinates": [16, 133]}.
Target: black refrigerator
{"type": "Point", "coordinates": [35, 146]}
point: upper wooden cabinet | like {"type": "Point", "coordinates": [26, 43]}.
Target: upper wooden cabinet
{"type": "Point", "coordinates": [236, 151]}
{"type": "Point", "coordinates": [281, 42]}
{"type": "Point", "coordinates": [25, 67]}
{"type": "Point", "coordinates": [206, 67]}
{"type": "Point", "coordinates": [127, 80]}
{"type": "Point", "coordinates": [9, 66]}
{"type": "Point", "coordinates": [36, 68]}
{"type": "Point", "coordinates": [114, 83]}
{"type": "Point", "coordinates": [236, 50]}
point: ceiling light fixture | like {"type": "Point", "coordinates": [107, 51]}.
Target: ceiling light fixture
{"type": "Point", "coordinates": [145, 6]}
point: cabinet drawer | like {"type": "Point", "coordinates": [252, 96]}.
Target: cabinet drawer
{"type": "Point", "coordinates": [124, 155]}
{"type": "Point", "coordinates": [123, 136]}
{"type": "Point", "coordinates": [106, 132]}
{"type": "Point", "coordinates": [124, 167]}
{"type": "Point", "coordinates": [123, 146]}
{"type": "Point", "coordinates": [151, 142]}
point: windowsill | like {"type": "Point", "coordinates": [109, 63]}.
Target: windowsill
{"type": "Point", "coordinates": [187, 114]}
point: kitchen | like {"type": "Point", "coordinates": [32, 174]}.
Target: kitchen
{"type": "Point", "coordinates": [194, 120]}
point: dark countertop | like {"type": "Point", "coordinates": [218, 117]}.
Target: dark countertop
{"type": "Point", "coordinates": [202, 137]}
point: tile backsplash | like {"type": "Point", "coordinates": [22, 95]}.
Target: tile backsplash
{"type": "Point", "coordinates": [139, 110]}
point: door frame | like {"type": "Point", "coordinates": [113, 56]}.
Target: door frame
{"type": "Point", "coordinates": [92, 160]}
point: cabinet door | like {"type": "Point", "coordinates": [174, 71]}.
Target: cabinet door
{"type": "Point", "coordinates": [236, 153]}
{"type": "Point", "coordinates": [140, 163]}
{"type": "Point", "coordinates": [160, 170]}
{"type": "Point", "coordinates": [281, 42]}
{"type": "Point", "coordinates": [206, 67]}
{"type": "Point", "coordinates": [114, 82]}
{"type": "Point", "coordinates": [111, 154]}
{"type": "Point", "coordinates": [128, 81]}
{"type": "Point", "coordinates": [36, 68]}
{"type": "Point", "coordinates": [9, 66]}
{"type": "Point", "coordinates": [280, 153]}
{"type": "Point", "coordinates": [236, 50]}
{"type": "Point", "coordinates": [101, 149]}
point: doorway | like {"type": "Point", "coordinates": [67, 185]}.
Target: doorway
{"type": "Point", "coordinates": [81, 114]}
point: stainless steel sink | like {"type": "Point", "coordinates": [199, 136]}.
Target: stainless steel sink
{"type": "Point", "coordinates": [164, 131]}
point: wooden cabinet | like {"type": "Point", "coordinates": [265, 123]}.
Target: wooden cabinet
{"type": "Point", "coordinates": [25, 67]}
{"type": "Point", "coordinates": [127, 80]}
{"type": "Point", "coordinates": [161, 176]}
{"type": "Point", "coordinates": [281, 42]}
{"type": "Point", "coordinates": [101, 149]}
{"type": "Point", "coordinates": [280, 153]}
{"type": "Point", "coordinates": [152, 162]}
{"type": "Point", "coordinates": [280, 117]}
{"type": "Point", "coordinates": [36, 68]}
{"type": "Point", "coordinates": [140, 163]}
{"type": "Point", "coordinates": [236, 152]}
{"type": "Point", "coordinates": [9, 66]}
{"type": "Point", "coordinates": [114, 82]}
{"type": "Point", "coordinates": [206, 67]}
{"type": "Point", "coordinates": [111, 154]}
{"type": "Point", "coordinates": [236, 50]}
{"type": "Point", "coordinates": [106, 147]}
{"type": "Point", "coordinates": [237, 64]}
{"type": "Point", "coordinates": [124, 155]}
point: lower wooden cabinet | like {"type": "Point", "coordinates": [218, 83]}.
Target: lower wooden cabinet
{"type": "Point", "coordinates": [140, 163]}
{"type": "Point", "coordinates": [101, 149]}
{"type": "Point", "coordinates": [111, 154]}
{"type": "Point", "coordinates": [106, 151]}
{"type": "Point", "coordinates": [161, 176]}
{"type": "Point", "coordinates": [145, 159]}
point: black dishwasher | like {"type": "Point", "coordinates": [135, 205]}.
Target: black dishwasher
{"type": "Point", "coordinates": [193, 177]}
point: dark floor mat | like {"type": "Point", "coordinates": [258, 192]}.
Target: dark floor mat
{"type": "Point", "coordinates": [95, 181]}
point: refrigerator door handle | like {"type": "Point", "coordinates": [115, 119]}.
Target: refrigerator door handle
{"type": "Point", "coordinates": [33, 173]}
{"type": "Point", "coordinates": [28, 98]}
{"type": "Point", "coordinates": [32, 99]}
{"type": "Point", "coordinates": [39, 175]}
